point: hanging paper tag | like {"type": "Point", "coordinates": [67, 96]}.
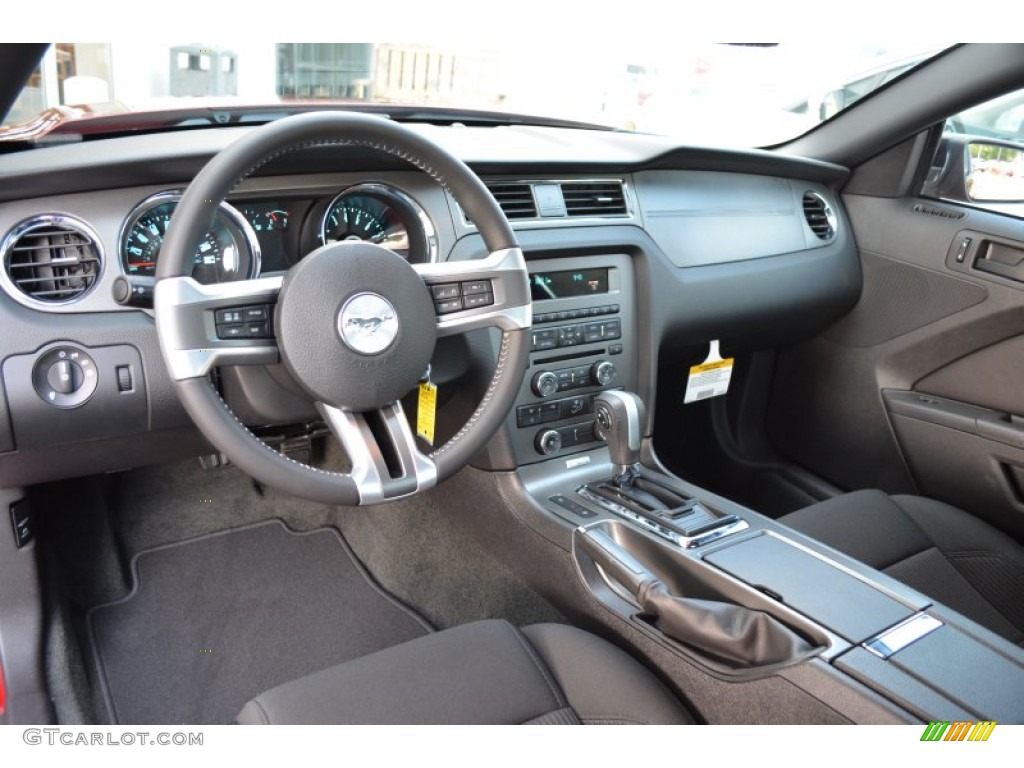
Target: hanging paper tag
{"type": "Point", "coordinates": [426, 410]}
{"type": "Point", "coordinates": [710, 378]}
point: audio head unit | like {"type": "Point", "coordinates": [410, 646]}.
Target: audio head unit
{"type": "Point", "coordinates": [582, 342]}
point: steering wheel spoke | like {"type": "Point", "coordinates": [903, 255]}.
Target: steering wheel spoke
{"type": "Point", "coordinates": [386, 463]}
{"type": "Point", "coordinates": [221, 324]}
{"type": "Point", "coordinates": [480, 293]}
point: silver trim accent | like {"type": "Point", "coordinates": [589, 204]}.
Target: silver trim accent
{"type": "Point", "coordinates": [506, 269]}
{"type": "Point", "coordinates": [43, 220]}
{"type": "Point", "coordinates": [905, 633]}
{"type": "Point", "coordinates": [426, 223]}
{"type": "Point", "coordinates": [187, 332]}
{"type": "Point", "coordinates": [374, 329]}
{"type": "Point", "coordinates": [174, 196]}
{"type": "Point", "coordinates": [647, 524]}
{"type": "Point", "coordinates": [369, 471]}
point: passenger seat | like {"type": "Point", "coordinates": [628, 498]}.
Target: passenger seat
{"type": "Point", "coordinates": [939, 550]}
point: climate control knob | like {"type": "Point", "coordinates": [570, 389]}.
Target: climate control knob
{"type": "Point", "coordinates": [545, 384]}
{"type": "Point", "coordinates": [603, 373]}
{"type": "Point", "coordinates": [548, 442]}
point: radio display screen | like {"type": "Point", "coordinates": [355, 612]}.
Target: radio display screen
{"type": "Point", "coordinates": [562, 285]}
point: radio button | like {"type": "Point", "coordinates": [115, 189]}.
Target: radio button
{"type": "Point", "coordinates": [603, 373]}
{"type": "Point", "coordinates": [545, 339]}
{"type": "Point", "coordinates": [611, 329]}
{"type": "Point", "coordinates": [592, 332]}
{"type": "Point", "coordinates": [545, 384]}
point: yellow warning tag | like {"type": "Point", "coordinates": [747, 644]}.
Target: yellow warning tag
{"type": "Point", "coordinates": [710, 378]}
{"type": "Point", "coordinates": [425, 411]}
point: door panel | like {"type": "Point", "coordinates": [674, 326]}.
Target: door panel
{"type": "Point", "coordinates": [927, 323]}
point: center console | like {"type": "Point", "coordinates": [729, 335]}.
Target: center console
{"type": "Point", "coordinates": [739, 596]}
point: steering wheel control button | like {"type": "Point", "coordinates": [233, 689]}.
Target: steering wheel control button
{"type": "Point", "coordinates": [355, 325]}
{"type": "Point", "coordinates": [244, 322]}
{"type": "Point", "coordinates": [368, 323]}
{"type": "Point", "coordinates": [65, 377]}
{"type": "Point", "coordinates": [476, 286]}
{"type": "Point", "coordinates": [448, 306]}
{"type": "Point", "coordinates": [225, 316]}
{"type": "Point", "coordinates": [445, 292]}
{"type": "Point", "coordinates": [455, 297]}
{"type": "Point", "coordinates": [478, 300]}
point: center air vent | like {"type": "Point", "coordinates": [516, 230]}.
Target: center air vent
{"type": "Point", "coordinates": [820, 217]}
{"type": "Point", "coordinates": [51, 259]}
{"type": "Point", "coordinates": [515, 199]}
{"type": "Point", "coordinates": [594, 198]}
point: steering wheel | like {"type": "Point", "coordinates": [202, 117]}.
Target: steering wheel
{"type": "Point", "coordinates": [353, 323]}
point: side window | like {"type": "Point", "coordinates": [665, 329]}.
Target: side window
{"type": "Point", "coordinates": [980, 157]}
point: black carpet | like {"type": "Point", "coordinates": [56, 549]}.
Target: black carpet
{"type": "Point", "coordinates": [213, 621]}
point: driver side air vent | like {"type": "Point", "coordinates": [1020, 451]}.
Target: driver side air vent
{"type": "Point", "coordinates": [820, 217]}
{"type": "Point", "coordinates": [515, 199]}
{"type": "Point", "coordinates": [594, 198]}
{"type": "Point", "coordinates": [51, 259]}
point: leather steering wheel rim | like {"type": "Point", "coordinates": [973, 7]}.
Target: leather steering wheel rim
{"type": "Point", "coordinates": [185, 325]}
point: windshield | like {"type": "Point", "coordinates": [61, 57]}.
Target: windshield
{"type": "Point", "coordinates": [737, 95]}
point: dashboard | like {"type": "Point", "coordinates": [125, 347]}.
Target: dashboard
{"type": "Point", "coordinates": [635, 246]}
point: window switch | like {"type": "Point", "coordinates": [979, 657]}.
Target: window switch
{"type": "Point", "coordinates": [22, 523]}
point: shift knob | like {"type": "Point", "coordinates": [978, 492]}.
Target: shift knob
{"type": "Point", "coordinates": [619, 422]}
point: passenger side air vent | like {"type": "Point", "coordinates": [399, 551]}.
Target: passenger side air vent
{"type": "Point", "coordinates": [51, 259]}
{"type": "Point", "coordinates": [515, 199]}
{"type": "Point", "coordinates": [594, 198]}
{"type": "Point", "coordinates": [820, 217]}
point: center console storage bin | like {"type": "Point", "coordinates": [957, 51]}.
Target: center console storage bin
{"type": "Point", "coordinates": [817, 588]}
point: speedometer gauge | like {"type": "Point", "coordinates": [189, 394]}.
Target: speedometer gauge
{"type": "Point", "coordinates": [229, 251]}
{"type": "Point", "coordinates": [377, 213]}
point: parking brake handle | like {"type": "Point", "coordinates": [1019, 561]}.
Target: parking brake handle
{"type": "Point", "coordinates": [732, 633]}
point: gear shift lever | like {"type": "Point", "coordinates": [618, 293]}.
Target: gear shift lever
{"type": "Point", "coordinates": [620, 416]}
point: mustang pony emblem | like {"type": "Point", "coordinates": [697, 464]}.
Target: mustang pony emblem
{"type": "Point", "coordinates": [367, 323]}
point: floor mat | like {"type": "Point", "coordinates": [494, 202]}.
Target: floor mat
{"type": "Point", "coordinates": [214, 621]}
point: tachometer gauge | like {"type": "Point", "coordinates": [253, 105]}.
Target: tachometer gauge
{"type": "Point", "coordinates": [377, 213]}
{"type": "Point", "coordinates": [229, 251]}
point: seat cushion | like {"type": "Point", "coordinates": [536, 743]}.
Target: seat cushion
{"type": "Point", "coordinates": [487, 672]}
{"type": "Point", "coordinates": [944, 552]}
